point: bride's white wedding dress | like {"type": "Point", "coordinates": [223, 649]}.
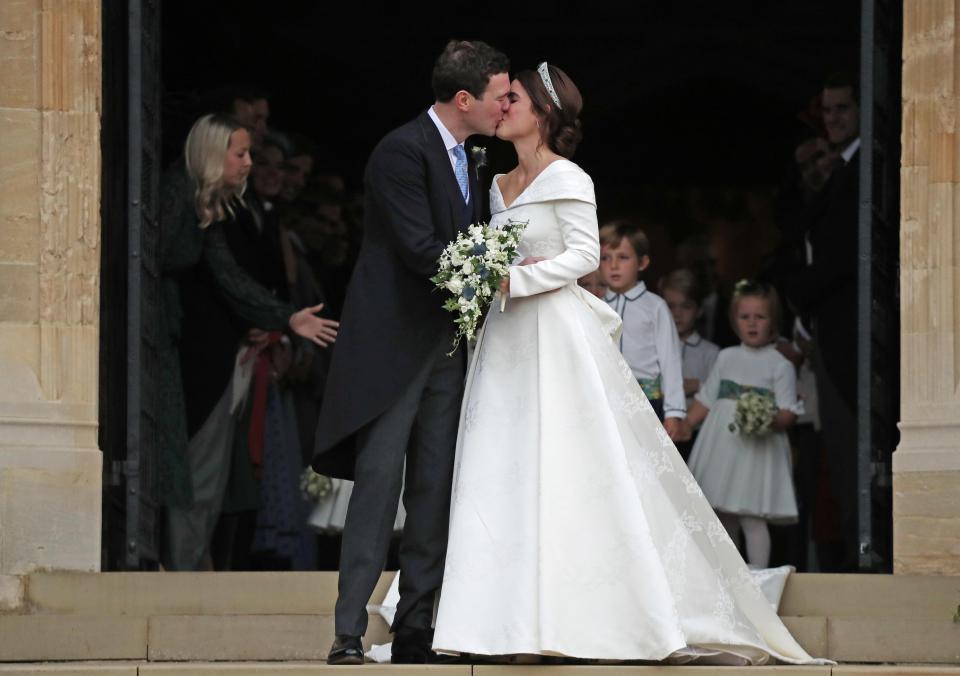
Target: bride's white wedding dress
{"type": "Point", "coordinates": [575, 527]}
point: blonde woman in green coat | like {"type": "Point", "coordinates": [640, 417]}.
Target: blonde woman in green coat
{"type": "Point", "coordinates": [199, 196]}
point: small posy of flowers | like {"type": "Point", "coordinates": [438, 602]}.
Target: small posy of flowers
{"type": "Point", "coordinates": [755, 413]}
{"type": "Point", "coordinates": [479, 154]}
{"type": "Point", "coordinates": [470, 269]}
{"type": "Point", "coordinates": [314, 487]}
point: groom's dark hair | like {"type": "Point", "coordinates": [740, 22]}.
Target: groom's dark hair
{"type": "Point", "coordinates": [467, 65]}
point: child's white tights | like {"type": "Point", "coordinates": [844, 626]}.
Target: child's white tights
{"type": "Point", "coordinates": [755, 532]}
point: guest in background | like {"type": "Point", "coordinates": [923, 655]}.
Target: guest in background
{"type": "Point", "coordinates": [297, 167]}
{"type": "Point", "coordinates": [252, 109]}
{"type": "Point", "coordinates": [264, 470]}
{"type": "Point", "coordinates": [649, 341]}
{"type": "Point", "coordinates": [696, 254]}
{"type": "Point", "coordinates": [684, 297]}
{"type": "Point", "coordinates": [268, 174]}
{"type": "Point", "coordinates": [746, 476]}
{"type": "Point", "coordinates": [326, 225]}
{"type": "Point", "coordinates": [824, 288]}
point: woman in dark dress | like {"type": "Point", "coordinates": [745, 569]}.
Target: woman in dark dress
{"type": "Point", "coordinates": [202, 198]}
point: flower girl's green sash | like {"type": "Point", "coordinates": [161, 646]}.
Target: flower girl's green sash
{"type": "Point", "coordinates": [651, 387]}
{"type": "Point", "coordinates": [732, 390]}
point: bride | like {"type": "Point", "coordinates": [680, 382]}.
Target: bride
{"type": "Point", "coordinates": [575, 528]}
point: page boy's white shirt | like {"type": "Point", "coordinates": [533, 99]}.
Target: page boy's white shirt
{"type": "Point", "coordinates": [650, 343]}
{"type": "Point", "coordinates": [697, 356]}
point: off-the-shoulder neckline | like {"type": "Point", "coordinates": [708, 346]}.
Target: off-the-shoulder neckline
{"type": "Point", "coordinates": [516, 199]}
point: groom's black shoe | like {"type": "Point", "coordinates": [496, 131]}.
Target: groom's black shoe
{"type": "Point", "coordinates": [346, 649]}
{"type": "Point", "coordinates": [412, 646]}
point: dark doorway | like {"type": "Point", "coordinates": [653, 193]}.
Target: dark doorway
{"type": "Point", "coordinates": [692, 111]}
{"type": "Point", "coordinates": [129, 290]}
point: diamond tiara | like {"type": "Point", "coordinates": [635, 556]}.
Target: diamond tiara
{"type": "Point", "coordinates": [548, 83]}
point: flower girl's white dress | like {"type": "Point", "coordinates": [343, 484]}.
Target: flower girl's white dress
{"type": "Point", "coordinates": [576, 528]}
{"type": "Point", "coordinates": [746, 474]}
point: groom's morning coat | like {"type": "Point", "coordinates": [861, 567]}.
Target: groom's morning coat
{"type": "Point", "coordinates": [392, 319]}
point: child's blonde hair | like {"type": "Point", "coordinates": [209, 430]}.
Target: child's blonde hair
{"type": "Point", "coordinates": [612, 233]}
{"type": "Point", "coordinates": [205, 151]}
{"type": "Point", "coordinates": [756, 289]}
{"type": "Point", "coordinates": [686, 282]}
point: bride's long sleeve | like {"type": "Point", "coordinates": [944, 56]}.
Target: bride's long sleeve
{"type": "Point", "coordinates": [581, 254]}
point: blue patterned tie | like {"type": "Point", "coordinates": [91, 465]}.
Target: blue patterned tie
{"type": "Point", "coordinates": [460, 170]}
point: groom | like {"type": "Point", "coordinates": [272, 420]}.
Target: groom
{"type": "Point", "coordinates": [393, 394]}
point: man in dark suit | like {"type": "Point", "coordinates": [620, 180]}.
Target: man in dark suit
{"type": "Point", "coordinates": [825, 292]}
{"type": "Point", "coordinates": [392, 388]}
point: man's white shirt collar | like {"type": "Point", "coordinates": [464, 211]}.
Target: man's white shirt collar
{"type": "Point", "coordinates": [850, 150]}
{"type": "Point", "coordinates": [449, 141]}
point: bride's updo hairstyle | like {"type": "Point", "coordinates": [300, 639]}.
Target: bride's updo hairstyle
{"type": "Point", "coordinates": [559, 125]}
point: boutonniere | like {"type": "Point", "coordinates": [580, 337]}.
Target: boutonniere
{"type": "Point", "coordinates": [479, 154]}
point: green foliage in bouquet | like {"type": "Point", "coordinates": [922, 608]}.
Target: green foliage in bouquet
{"type": "Point", "coordinates": [755, 413]}
{"type": "Point", "coordinates": [470, 269]}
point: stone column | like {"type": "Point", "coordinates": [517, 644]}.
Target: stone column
{"type": "Point", "coordinates": [926, 465]}
{"type": "Point", "coordinates": [50, 466]}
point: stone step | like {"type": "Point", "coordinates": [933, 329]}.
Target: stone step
{"type": "Point", "coordinates": [174, 637]}
{"type": "Point", "coordinates": [34, 638]}
{"type": "Point", "coordinates": [147, 594]}
{"type": "Point", "coordinates": [894, 670]}
{"type": "Point", "coordinates": [319, 669]}
{"type": "Point", "coordinates": [71, 669]}
{"type": "Point", "coordinates": [299, 669]}
{"type": "Point", "coordinates": [305, 593]}
{"type": "Point", "coordinates": [653, 670]}
{"type": "Point", "coordinates": [894, 640]}
{"type": "Point", "coordinates": [885, 596]}
{"type": "Point", "coordinates": [223, 669]}
{"type": "Point", "coordinates": [230, 616]}
{"type": "Point", "coordinates": [229, 638]}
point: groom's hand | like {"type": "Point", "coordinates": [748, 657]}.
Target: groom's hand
{"type": "Point", "coordinates": [530, 260]}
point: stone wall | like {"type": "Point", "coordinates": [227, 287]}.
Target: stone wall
{"type": "Point", "coordinates": [50, 466]}
{"type": "Point", "coordinates": [926, 465]}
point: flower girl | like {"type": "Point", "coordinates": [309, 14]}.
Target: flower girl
{"type": "Point", "coordinates": [741, 458]}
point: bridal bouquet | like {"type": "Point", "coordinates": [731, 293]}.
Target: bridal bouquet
{"type": "Point", "coordinates": [314, 487]}
{"type": "Point", "coordinates": [755, 413]}
{"type": "Point", "coordinates": [471, 268]}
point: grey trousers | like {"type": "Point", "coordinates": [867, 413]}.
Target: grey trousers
{"type": "Point", "coordinates": [421, 427]}
{"type": "Point", "coordinates": [208, 453]}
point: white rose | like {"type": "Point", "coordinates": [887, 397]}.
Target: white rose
{"type": "Point", "coordinates": [467, 268]}
{"type": "Point", "coordinates": [455, 286]}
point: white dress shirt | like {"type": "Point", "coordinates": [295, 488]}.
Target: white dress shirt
{"type": "Point", "coordinates": [850, 150]}
{"type": "Point", "coordinates": [449, 143]}
{"type": "Point", "coordinates": [697, 355]}
{"type": "Point", "coordinates": [650, 343]}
